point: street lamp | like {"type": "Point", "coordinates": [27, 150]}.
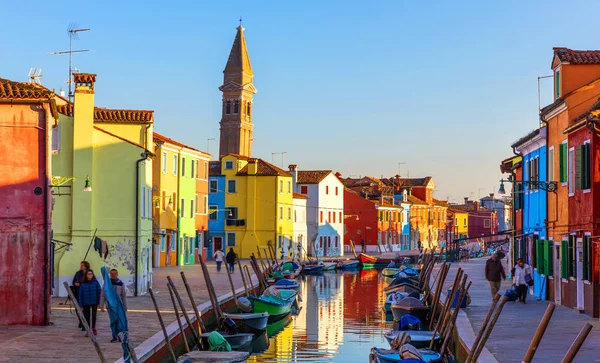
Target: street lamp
{"type": "Point", "coordinates": [549, 186]}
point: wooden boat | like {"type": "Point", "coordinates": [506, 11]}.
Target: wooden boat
{"type": "Point", "coordinates": [329, 266]}
{"type": "Point", "coordinates": [405, 287]}
{"type": "Point", "coordinates": [412, 306]}
{"type": "Point", "coordinates": [312, 269]}
{"type": "Point", "coordinates": [276, 307]}
{"type": "Point", "coordinates": [389, 300]}
{"type": "Point", "coordinates": [387, 257]}
{"type": "Point", "coordinates": [418, 338]}
{"type": "Point", "coordinates": [390, 272]}
{"type": "Point", "coordinates": [239, 342]}
{"type": "Point", "coordinates": [350, 265]}
{"type": "Point", "coordinates": [393, 356]}
{"type": "Point", "coordinates": [286, 284]}
{"type": "Point", "coordinates": [254, 323]}
{"type": "Point", "coordinates": [367, 259]}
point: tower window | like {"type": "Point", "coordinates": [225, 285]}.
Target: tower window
{"type": "Point", "coordinates": [228, 108]}
{"type": "Point", "coordinates": [236, 107]}
{"type": "Point", "coordinates": [248, 108]}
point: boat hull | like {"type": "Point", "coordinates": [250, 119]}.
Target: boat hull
{"type": "Point", "coordinates": [276, 308]}
{"type": "Point", "coordinates": [312, 269]}
{"type": "Point", "coordinates": [419, 339]}
{"type": "Point", "coordinates": [420, 312]}
{"type": "Point", "coordinates": [390, 272]}
{"type": "Point", "coordinates": [389, 356]}
{"type": "Point", "coordinates": [250, 323]}
{"type": "Point", "coordinates": [350, 265]}
{"type": "Point", "coordinates": [329, 267]}
{"type": "Point", "coordinates": [239, 342]}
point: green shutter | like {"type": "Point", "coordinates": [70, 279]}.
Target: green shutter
{"type": "Point", "coordinates": [578, 167]}
{"type": "Point", "coordinates": [586, 167]}
{"type": "Point", "coordinates": [586, 256]}
{"type": "Point", "coordinates": [550, 258]}
{"type": "Point", "coordinates": [557, 84]}
{"type": "Point", "coordinates": [563, 163]}
{"type": "Point", "coordinates": [571, 257]}
{"type": "Point", "coordinates": [564, 259]}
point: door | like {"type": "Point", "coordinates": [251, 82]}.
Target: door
{"type": "Point", "coordinates": [218, 241]}
{"type": "Point", "coordinates": [168, 252]}
{"type": "Point", "coordinates": [156, 254]}
{"type": "Point", "coordinates": [579, 257]}
{"type": "Point", "coordinates": [557, 274]}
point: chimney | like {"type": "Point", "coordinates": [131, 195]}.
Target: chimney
{"type": "Point", "coordinates": [252, 166]}
{"type": "Point", "coordinates": [476, 206]}
{"type": "Point", "coordinates": [338, 174]}
{"type": "Point", "coordinates": [492, 195]}
{"type": "Point", "coordinates": [466, 200]}
{"type": "Point", "coordinates": [293, 170]}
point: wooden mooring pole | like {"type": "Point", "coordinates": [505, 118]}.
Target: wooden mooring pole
{"type": "Point", "coordinates": [162, 325]}
{"type": "Point", "coordinates": [539, 333]}
{"type": "Point", "coordinates": [489, 329]}
{"type": "Point", "coordinates": [483, 327]}
{"type": "Point", "coordinates": [574, 349]}
{"type": "Point", "coordinates": [185, 315]}
{"type": "Point", "coordinates": [185, 342]}
{"type": "Point", "coordinates": [191, 296]}
{"type": "Point", "coordinates": [84, 323]}
{"type": "Point", "coordinates": [243, 277]}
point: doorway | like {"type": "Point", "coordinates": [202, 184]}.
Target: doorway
{"type": "Point", "coordinates": [579, 258]}
{"type": "Point", "coordinates": [218, 243]}
{"type": "Point", "coordinates": [557, 274]}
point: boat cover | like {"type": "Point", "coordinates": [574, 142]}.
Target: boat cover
{"type": "Point", "coordinates": [409, 322]}
{"type": "Point", "coordinates": [410, 302]}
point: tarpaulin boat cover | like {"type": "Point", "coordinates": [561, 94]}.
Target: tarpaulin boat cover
{"type": "Point", "coordinates": [410, 302]}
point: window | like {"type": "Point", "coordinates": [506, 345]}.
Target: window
{"type": "Point", "coordinates": [557, 84]}
{"type": "Point", "coordinates": [320, 216]}
{"type": "Point", "coordinates": [143, 202]}
{"type": "Point", "coordinates": [340, 215]}
{"type": "Point", "coordinates": [587, 259]}
{"type": "Point", "coordinates": [182, 210]}
{"type": "Point", "coordinates": [582, 167]}
{"type": "Point", "coordinates": [205, 204]}
{"type": "Point", "coordinates": [205, 170]}
{"type": "Point", "coordinates": [150, 202]}
{"type": "Point", "coordinates": [228, 108]}
{"type": "Point", "coordinates": [563, 162]}
{"type": "Point", "coordinates": [327, 189]}
{"type": "Point", "coordinates": [328, 216]}
{"type": "Point", "coordinates": [164, 199]}
{"type": "Point", "coordinates": [164, 162]}
{"type": "Point", "coordinates": [486, 223]}
{"type": "Point", "coordinates": [303, 189]}
{"type": "Point", "coordinates": [193, 174]}
{"type": "Point", "coordinates": [551, 164]}
{"type": "Point", "coordinates": [571, 171]}
{"type": "Point", "coordinates": [295, 216]}
{"type": "Point", "coordinates": [333, 217]}
{"type": "Point", "coordinates": [533, 172]}
{"type": "Point", "coordinates": [289, 187]}
{"type": "Point", "coordinates": [281, 186]}
{"type": "Point", "coordinates": [174, 201]}
{"type": "Point", "coordinates": [236, 107]}
{"type": "Point", "coordinates": [228, 164]}
{"type": "Point", "coordinates": [231, 186]}
{"type": "Point", "coordinates": [213, 186]}
{"type": "Point", "coordinates": [336, 190]}
{"type": "Point", "coordinates": [192, 210]}
{"type": "Point", "coordinates": [380, 216]}
{"type": "Point", "coordinates": [230, 239]}
{"type": "Point", "coordinates": [232, 212]}
{"type": "Point", "coordinates": [464, 222]}
{"type": "Point", "coordinates": [173, 244]}
{"type": "Point", "coordinates": [289, 213]}
{"type": "Point", "coordinates": [162, 242]}
{"type": "Point", "coordinates": [56, 138]}
{"type": "Point", "coordinates": [196, 210]}
{"type": "Point", "coordinates": [280, 213]}
{"type": "Point", "coordinates": [175, 160]}
{"type": "Point", "coordinates": [183, 166]}
{"type": "Point", "coordinates": [213, 213]}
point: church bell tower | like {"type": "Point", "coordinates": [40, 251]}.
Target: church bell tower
{"type": "Point", "coordinates": [238, 91]}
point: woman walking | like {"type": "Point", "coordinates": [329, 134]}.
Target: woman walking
{"type": "Point", "coordinates": [522, 270]}
{"type": "Point", "coordinates": [89, 298]}
{"type": "Point", "coordinates": [218, 256]}
{"type": "Point", "coordinates": [231, 258]}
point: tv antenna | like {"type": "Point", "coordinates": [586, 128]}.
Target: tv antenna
{"type": "Point", "coordinates": [73, 31]}
{"type": "Point", "coordinates": [34, 75]}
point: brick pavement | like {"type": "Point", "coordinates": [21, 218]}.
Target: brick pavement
{"type": "Point", "coordinates": [515, 328]}
{"type": "Point", "coordinates": [63, 342]}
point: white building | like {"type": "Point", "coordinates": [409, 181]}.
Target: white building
{"type": "Point", "coordinates": [300, 229]}
{"type": "Point", "coordinates": [324, 210]}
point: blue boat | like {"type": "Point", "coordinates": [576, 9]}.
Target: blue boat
{"type": "Point", "coordinates": [419, 339]}
{"type": "Point", "coordinates": [393, 356]}
{"type": "Point", "coordinates": [351, 265]}
{"type": "Point", "coordinates": [286, 284]}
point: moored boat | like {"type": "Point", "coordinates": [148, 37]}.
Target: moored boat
{"type": "Point", "coordinates": [404, 287]}
{"type": "Point", "coordinates": [350, 265]}
{"type": "Point", "coordinates": [393, 356]}
{"type": "Point", "coordinates": [418, 338]}
{"type": "Point", "coordinates": [412, 306]}
{"type": "Point", "coordinates": [390, 272]}
{"type": "Point", "coordinates": [239, 342]}
{"type": "Point", "coordinates": [329, 266]}
{"type": "Point", "coordinates": [249, 323]}
{"type": "Point", "coordinates": [286, 284]}
{"type": "Point", "coordinates": [312, 269]}
{"type": "Point", "coordinates": [277, 308]}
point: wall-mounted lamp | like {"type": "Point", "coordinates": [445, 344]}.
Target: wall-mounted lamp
{"type": "Point", "coordinates": [88, 185]}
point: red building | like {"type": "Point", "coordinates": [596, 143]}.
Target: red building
{"type": "Point", "coordinates": [27, 115]}
{"type": "Point", "coordinates": [482, 221]}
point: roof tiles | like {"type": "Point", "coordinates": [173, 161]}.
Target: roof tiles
{"type": "Point", "coordinates": [312, 176]}
{"type": "Point", "coordinates": [264, 169]}
{"type": "Point", "coordinates": [577, 56]}
{"type": "Point", "coordinates": [21, 90]}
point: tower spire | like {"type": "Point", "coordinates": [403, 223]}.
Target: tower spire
{"type": "Point", "coordinates": [239, 61]}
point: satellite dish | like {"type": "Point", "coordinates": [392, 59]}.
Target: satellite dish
{"type": "Point", "coordinates": [34, 75]}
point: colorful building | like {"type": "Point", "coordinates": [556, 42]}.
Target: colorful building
{"type": "Point", "coordinates": [300, 238]}
{"type": "Point", "coordinates": [482, 222]}
{"type": "Point", "coordinates": [459, 219]}
{"type": "Point", "coordinates": [180, 195]}
{"type": "Point", "coordinates": [258, 205]}
{"type": "Point", "coordinates": [28, 116]}
{"type": "Point", "coordinates": [104, 159]}
{"type": "Point", "coordinates": [324, 210]}
{"type": "Point", "coordinates": [216, 209]}
{"type": "Point", "coordinates": [502, 208]}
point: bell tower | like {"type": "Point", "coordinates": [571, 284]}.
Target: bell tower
{"type": "Point", "coordinates": [238, 92]}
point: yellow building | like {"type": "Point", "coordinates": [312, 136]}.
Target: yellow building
{"type": "Point", "coordinates": [258, 204]}
{"type": "Point", "coordinates": [103, 168]}
{"type": "Point", "coordinates": [460, 221]}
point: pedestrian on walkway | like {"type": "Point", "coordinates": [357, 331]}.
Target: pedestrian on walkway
{"type": "Point", "coordinates": [121, 291]}
{"type": "Point", "coordinates": [494, 273]}
{"type": "Point", "coordinates": [218, 256]}
{"type": "Point", "coordinates": [83, 266]}
{"type": "Point", "coordinates": [231, 258]}
{"type": "Point", "coordinates": [89, 298]}
{"type": "Point", "coordinates": [521, 286]}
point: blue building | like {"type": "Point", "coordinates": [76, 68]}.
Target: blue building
{"type": "Point", "coordinates": [216, 205]}
{"type": "Point", "coordinates": [533, 149]}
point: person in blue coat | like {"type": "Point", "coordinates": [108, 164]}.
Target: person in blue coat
{"type": "Point", "coordinates": [89, 298]}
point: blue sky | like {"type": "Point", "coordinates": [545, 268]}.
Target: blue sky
{"type": "Point", "coordinates": [353, 86]}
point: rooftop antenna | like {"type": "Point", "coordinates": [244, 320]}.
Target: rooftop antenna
{"type": "Point", "coordinates": [34, 75]}
{"type": "Point", "coordinates": [72, 30]}
{"type": "Point", "coordinates": [399, 167]}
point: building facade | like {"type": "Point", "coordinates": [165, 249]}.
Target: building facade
{"type": "Point", "coordinates": [300, 239]}
{"type": "Point", "coordinates": [28, 116]}
{"type": "Point", "coordinates": [216, 209]}
{"type": "Point", "coordinates": [101, 153]}
{"type": "Point", "coordinates": [324, 210]}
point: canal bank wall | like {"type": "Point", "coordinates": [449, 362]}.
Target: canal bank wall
{"type": "Point", "coordinates": [155, 350]}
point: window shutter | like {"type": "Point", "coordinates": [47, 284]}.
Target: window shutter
{"type": "Point", "coordinates": [539, 256]}
{"type": "Point", "coordinates": [549, 258]}
{"type": "Point", "coordinates": [578, 168]}
{"type": "Point", "coordinates": [586, 167]}
{"type": "Point", "coordinates": [571, 257]}
{"type": "Point", "coordinates": [564, 258]}
{"type": "Point", "coordinates": [563, 163]}
{"type": "Point", "coordinates": [586, 262]}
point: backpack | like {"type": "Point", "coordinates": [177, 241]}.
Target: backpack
{"type": "Point", "coordinates": [511, 294]}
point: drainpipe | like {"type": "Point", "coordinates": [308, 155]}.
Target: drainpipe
{"type": "Point", "coordinates": [145, 156]}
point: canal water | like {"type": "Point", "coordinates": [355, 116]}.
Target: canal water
{"type": "Point", "coordinates": [340, 320]}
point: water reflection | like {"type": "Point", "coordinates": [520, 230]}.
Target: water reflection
{"type": "Point", "coordinates": [341, 319]}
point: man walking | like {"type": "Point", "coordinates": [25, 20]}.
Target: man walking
{"type": "Point", "coordinates": [121, 291]}
{"type": "Point", "coordinates": [494, 273]}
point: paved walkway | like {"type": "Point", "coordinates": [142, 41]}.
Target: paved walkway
{"type": "Point", "coordinates": [63, 342]}
{"type": "Point", "coordinates": [515, 328]}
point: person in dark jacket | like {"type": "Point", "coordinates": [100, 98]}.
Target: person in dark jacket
{"type": "Point", "coordinates": [89, 298]}
{"type": "Point", "coordinates": [494, 273]}
{"type": "Point", "coordinates": [230, 258]}
{"type": "Point", "coordinates": [83, 266]}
